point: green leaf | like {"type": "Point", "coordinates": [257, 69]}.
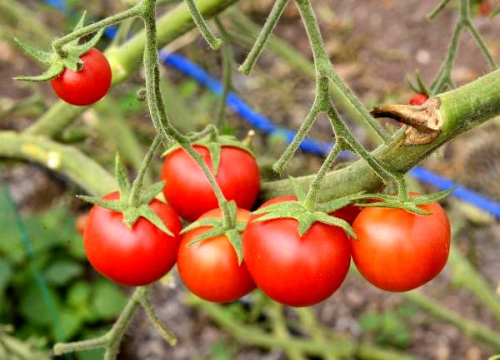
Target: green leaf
{"type": "Point", "coordinates": [425, 199]}
{"type": "Point", "coordinates": [494, 13]}
{"type": "Point", "coordinates": [214, 149]}
{"type": "Point", "coordinates": [55, 69]}
{"type": "Point", "coordinates": [212, 222]}
{"type": "Point", "coordinates": [146, 212]}
{"type": "Point", "coordinates": [63, 271]}
{"type": "Point", "coordinates": [113, 205]}
{"type": "Point", "coordinates": [81, 22]}
{"type": "Point", "coordinates": [332, 220]}
{"type": "Point", "coordinates": [78, 294]}
{"type": "Point", "coordinates": [107, 300]}
{"type": "Point", "coordinates": [235, 239]}
{"type": "Point", "coordinates": [149, 193]}
{"type": "Point", "coordinates": [122, 178]}
{"type": "Point", "coordinates": [218, 231]}
{"type": "Point", "coordinates": [5, 275]}
{"type": "Point", "coordinates": [84, 48]}
{"type": "Point", "coordinates": [32, 306]}
{"type": "Point", "coordinates": [34, 53]}
{"type": "Point", "coordinates": [71, 322]}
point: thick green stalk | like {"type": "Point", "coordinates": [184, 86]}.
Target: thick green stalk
{"type": "Point", "coordinates": [471, 328]}
{"type": "Point", "coordinates": [124, 60]}
{"type": "Point", "coordinates": [66, 160]}
{"type": "Point", "coordinates": [460, 110]}
{"type": "Point", "coordinates": [252, 335]}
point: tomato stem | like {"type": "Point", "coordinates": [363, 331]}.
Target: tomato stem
{"type": "Point", "coordinates": [273, 18]}
{"type": "Point", "coordinates": [134, 200]}
{"type": "Point", "coordinates": [205, 31]}
{"type": "Point", "coordinates": [58, 44]}
{"type": "Point", "coordinates": [157, 108]}
{"type": "Point", "coordinates": [227, 69]}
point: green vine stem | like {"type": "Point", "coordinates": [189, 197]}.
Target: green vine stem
{"type": "Point", "coordinates": [248, 30]}
{"type": "Point", "coordinates": [280, 330]}
{"type": "Point", "coordinates": [342, 347]}
{"type": "Point", "coordinates": [135, 194]}
{"type": "Point", "coordinates": [268, 28]}
{"type": "Point", "coordinates": [157, 108]}
{"type": "Point", "coordinates": [443, 78]}
{"type": "Point", "coordinates": [227, 70]}
{"type": "Point", "coordinates": [62, 159]}
{"type": "Point", "coordinates": [469, 327]}
{"type": "Point", "coordinates": [59, 43]}
{"type": "Point", "coordinates": [459, 110]}
{"type": "Point", "coordinates": [125, 59]}
{"type": "Point", "coordinates": [205, 31]}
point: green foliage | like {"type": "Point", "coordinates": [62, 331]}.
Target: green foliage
{"type": "Point", "coordinates": [390, 327]}
{"type": "Point", "coordinates": [82, 305]}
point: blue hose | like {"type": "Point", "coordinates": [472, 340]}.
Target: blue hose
{"type": "Point", "coordinates": [265, 125]}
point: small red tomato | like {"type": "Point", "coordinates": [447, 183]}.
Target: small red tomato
{"type": "Point", "coordinates": [88, 85]}
{"type": "Point", "coordinates": [485, 9]}
{"type": "Point", "coordinates": [188, 190]}
{"type": "Point", "coordinates": [209, 268]}
{"type": "Point", "coordinates": [81, 220]}
{"type": "Point", "coordinates": [132, 257]}
{"type": "Point", "coordinates": [400, 251]}
{"type": "Point", "coordinates": [418, 99]}
{"type": "Point", "coordinates": [295, 270]}
{"type": "Point", "coordinates": [347, 213]}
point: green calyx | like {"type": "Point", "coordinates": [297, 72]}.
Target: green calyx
{"type": "Point", "coordinates": [306, 218]}
{"type": "Point", "coordinates": [231, 229]}
{"type": "Point", "coordinates": [411, 204]}
{"type": "Point", "coordinates": [214, 143]}
{"type": "Point", "coordinates": [132, 212]}
{"type": "Point", "coordinates": [67, 58]}
{"type": "Point", "coordinates": [420, 86]}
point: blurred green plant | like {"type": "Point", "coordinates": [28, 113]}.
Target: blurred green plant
{"type": "Point", "coordinates": [83, 304]}
{"type": "Point", "coordinates": [390, 327]}
{"type": "Point", "coordinates": [12, 348]}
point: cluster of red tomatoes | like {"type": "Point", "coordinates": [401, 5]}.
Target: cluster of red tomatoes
{"type": "Point", "coordinates": [395, 250]}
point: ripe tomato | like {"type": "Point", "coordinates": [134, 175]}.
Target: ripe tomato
{"type": "Point", "coordinates": [418, 99]}
{"type": "Point", "coordinates": [209, 268]}
{"type": "Point", "coordinates": [400, 251]}
{"type": "Point", "coordinates": [88, 85]}
{"type": "Point", "coordinates": [347, 213]}
{"type": "Point", "coordinates": [188, 190]}
{"type": "Point", "coordinates": [294, 270]}
{"type": "Point", "coordinates": [485, 9]}
{"type": "Point", "coordinates": [132, 257]}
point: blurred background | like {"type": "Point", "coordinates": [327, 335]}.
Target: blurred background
{"type": "Point", "coordinates": [49, 292]}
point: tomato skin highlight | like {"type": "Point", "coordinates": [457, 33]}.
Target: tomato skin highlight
{"type": "Point", "coordinates": [209, 268]}
{"type": "Point", "coordinates": [131, 257]}
{"type": "Point", "coordinates": [399, 251]}
{"type": "Point", "coordinates": [293, 270]}
{"type": "Point", "coordinates": [87, 86]}
{"type": "Point", "coordinates": [418, 99]}
{"type": "Point", "coordinates": [188, 191]}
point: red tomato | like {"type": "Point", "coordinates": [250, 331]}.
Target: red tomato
{"type": "Point", "coordinates": [81, 220]}
{"type": "Point", "coordinates": [188, 190]}
{"type": "Point", "coordinates": [209, 268]}
{"type": "Point", "coordinates": [418, 99]}
{"type": "Point", "coordinates": [88, 85]}
{"type": "Point", "coordinates": [347, 213]}
{"type": "Point", "coordinates": [400, 251]}
{"type": "Point", "coordinates": [132, 257]}
{"type": "Point", "coordinates": [485, 9]}
{"type": "Point", "coordinates": [294, 270]}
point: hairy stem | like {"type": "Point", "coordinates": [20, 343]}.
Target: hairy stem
{"type": "Point", "coordinates": [205, 31]}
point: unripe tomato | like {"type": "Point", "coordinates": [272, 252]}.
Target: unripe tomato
{"type": "Point", "coordinates": [418, 99]}
{"type": "Point", "coordinates": [132, 257]}
{"type": "Point", "coordinates": [295, 270]}
{"type": "Point", "coordinates": [400, 251]}
{"type": "Point", "coordinates": [209, 268]}
{"type": "Point", "coordinates": [188, 191]}
{"type": "Point", "coordinates": [88, 85]}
